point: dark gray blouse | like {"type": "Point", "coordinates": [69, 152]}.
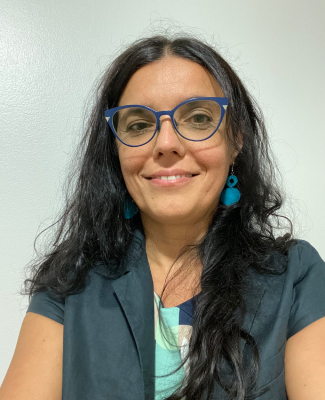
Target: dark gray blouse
{"type": "Point", "coordinates": [109, 343]}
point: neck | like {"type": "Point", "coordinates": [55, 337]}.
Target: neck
{"type": "Point", "coordinates": [165, 241]}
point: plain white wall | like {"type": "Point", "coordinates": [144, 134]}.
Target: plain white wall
{"type": "Point", "coordinates": [51, 54]}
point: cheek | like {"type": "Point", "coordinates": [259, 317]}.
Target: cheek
{"type": "Point", "coordinates": [131, 165]}
{"type": "Point", "coordinates": [215, 161]}
{"type": "Point", "coordinates": [128, 168]}
{"type": "Point", "coordinates": [214, 158]}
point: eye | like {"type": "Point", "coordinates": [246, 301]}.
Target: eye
{"type": "Point", "coordinates": [139, 126]}
{"type": "Point", "coordinates": [200, 118]}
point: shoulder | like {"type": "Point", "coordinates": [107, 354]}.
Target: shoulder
{"type": "Point", "coordinates": [305, 349]}
{"type": "Point", "coordinates": [48, 304]}
{"type": "Point", "coordinates": [281, 305]}
{"type": "Point", "coordinates": [303, 260]}
{"type": "Point", "coordinates": [302, 249]}
{"type": "Point", "coordinates": [305, 282]}
{"type": "Point", "coordinates": [300, 259]}
{"type": "Point", "coordinates": [295, 297]}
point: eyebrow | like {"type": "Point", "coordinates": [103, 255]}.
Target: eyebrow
{"type": "Point", "coordinates": [141, 111]}
{"type": "Point", "coordinates": [134, 111]}
{"type": "Point", "coordinates": [193, 103]}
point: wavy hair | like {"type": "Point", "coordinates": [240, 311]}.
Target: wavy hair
{"type": "Point", "coordinates": [239, 238]}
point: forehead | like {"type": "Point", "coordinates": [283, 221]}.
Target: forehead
{"type": "Point", "coordinates": [165, 83]}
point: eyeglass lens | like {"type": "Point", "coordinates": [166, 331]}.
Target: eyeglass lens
{"type": "Point", "coordinates": [195, 120]}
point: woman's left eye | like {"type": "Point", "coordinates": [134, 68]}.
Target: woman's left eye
{"type": "Point", "coordinates": [199, 118]}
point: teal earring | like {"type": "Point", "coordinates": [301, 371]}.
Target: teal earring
{"type": "Point", "coordinates": [130, 208]}
{"type": "Point", "coordinates": [230, 195]}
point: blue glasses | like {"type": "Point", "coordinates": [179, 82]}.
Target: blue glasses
{"type": "Point", "coordinates": [196, 119]}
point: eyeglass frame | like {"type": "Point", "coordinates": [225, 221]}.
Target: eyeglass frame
{"type": "Point", "coordinates": [109, 113]}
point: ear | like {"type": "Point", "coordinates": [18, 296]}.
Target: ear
{"type": "Point", "coordinates": [240, 142]}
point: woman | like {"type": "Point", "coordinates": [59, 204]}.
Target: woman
{"type": "Point", "coordinates": [166, 272]}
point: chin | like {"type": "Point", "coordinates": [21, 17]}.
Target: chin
{"type": "Point", "coordinates": [171, 216]}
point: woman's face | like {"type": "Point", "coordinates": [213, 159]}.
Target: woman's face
{"type": "Point", "coordinates": [162, 85]}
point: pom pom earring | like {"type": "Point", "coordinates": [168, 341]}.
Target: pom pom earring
{"type": "Point", "coordinates": [230, 195]}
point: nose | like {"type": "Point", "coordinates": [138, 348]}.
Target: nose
{"type": "Point", "coordinates": [167, 141]}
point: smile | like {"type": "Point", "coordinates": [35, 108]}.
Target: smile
{"type": "Point", "coordinates": [172, 177]}
{"type": "Point", "coordinates": [171, 180]}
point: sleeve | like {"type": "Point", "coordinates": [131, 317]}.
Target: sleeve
{"type": "Point", "coordinates": [48, 304]}
{"type": "Point", "coordinates": [308, 296]}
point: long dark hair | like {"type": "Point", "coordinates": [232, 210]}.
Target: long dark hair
{"type": "Point", "coordinates": [240, 237]}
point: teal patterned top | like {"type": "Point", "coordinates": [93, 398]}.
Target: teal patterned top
{"type": "Point", "coordinates": [177, 328]}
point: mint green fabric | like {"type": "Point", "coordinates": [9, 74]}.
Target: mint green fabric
{"type": "Point", "coordinates": [167, 353]}
{"type": "Point", "coordinates": [172, 337]}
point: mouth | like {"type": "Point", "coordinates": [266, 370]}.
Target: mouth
{"type": "Point", "coordinates": [171, 177]}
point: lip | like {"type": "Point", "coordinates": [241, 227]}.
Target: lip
{"type": "Point", "coordinates": [169, 172]}
{"type": "Point", "coordinates": [154, 179]}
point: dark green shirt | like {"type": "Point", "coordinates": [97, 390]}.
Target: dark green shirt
{"type": "Point", "coordinates": [109, 342]}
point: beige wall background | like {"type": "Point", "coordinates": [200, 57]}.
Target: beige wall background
{"type": "Point", "coordinates": [51, 52]}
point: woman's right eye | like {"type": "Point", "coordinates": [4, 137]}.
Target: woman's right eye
{"type": "Point", "coordinates": [139, 126]}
